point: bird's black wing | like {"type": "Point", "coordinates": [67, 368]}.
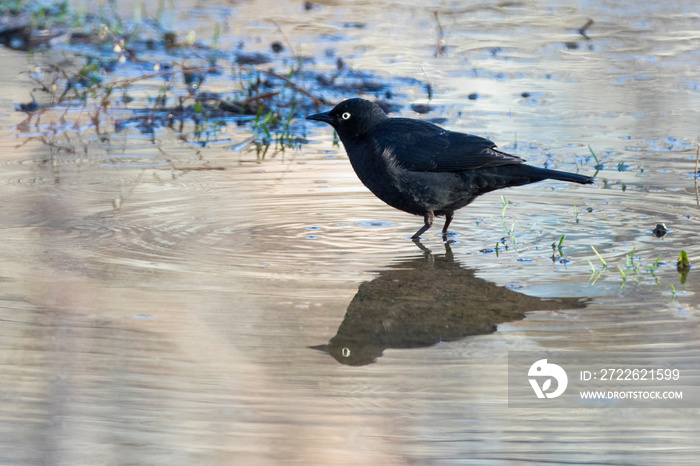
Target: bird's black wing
{"type": "Point", "coordinates": [422, 146]}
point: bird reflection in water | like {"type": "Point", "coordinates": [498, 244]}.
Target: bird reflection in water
{"type": "Point", "coordinates": [425, 300]}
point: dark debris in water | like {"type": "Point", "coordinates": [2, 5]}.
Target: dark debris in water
{"type": "Point", "coordinates": [277, 47]}
{"type": "Point", "coordinates": [583, 32]}
{"type": "Point", "coordinates": [28, 107]}
{"type": "Point", "coordinates": [421, 108]}
{"type": "Point", "coordinates": [252, 59]}
{"type": "Point", "coordinates": [26, 38]}
{"type": "Point", "coordinates": [660, 230]}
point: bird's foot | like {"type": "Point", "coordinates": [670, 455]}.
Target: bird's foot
{"type": "Point", "coordinates": [449, 234]}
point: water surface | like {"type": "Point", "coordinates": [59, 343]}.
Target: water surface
{"type": "Point", "coordinates": [153, 314]}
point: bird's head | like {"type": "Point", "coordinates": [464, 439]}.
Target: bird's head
{"type": "Point", "coordinates": [352, 117]}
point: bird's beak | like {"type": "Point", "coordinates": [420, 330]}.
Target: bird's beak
{"type": "Point", "coordinates": [325, 117]}
{"type": "Point", "coordinates": [322, 348]}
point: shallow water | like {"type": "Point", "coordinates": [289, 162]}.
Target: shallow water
{"type": "Point", "coordinates": [155, 314]}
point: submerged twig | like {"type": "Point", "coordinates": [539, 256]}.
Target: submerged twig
{"type": "Point", "coordinates": [255, 98]}
{"type": "Point", "coordinates": [126, 82]}
{"type": "Point", "coordinates": [697, 162]}
{"type": "Point", "coordinates": [286, 39]}
{"type": "Point", "coordinates": [318, 101]}
{"type": "Point", "coordinates": [440, 47]}
{"type": "Point", "coordinates": [583, 30]}
{"type": "Point", "coordinates": [119, 84]}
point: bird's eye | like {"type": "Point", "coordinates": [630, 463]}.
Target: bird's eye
{"type": "Point", "coordinates": [345, 116]}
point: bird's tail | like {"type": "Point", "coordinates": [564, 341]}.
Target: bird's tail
{"type": "Point", "coordinates": [564, 176]}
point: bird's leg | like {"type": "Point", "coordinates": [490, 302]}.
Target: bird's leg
{"type": "Point", "coordinates": [448, 219]}
{"type": "Point", "coordinates": [428, 219]}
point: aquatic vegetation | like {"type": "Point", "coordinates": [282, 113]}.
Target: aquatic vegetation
{"type": "Point", "coordinates": [598, 164]}
{"type": "Point", "coordinates": [605, 264]}
{"type": "Point", "coordinates": [124, 82]}
{"type": "Point", "coordinates": [632, 269]}
{"type": "Point", "coordinates": [683, 266]}
{"type": "Point", "coordinates": [559, 245]}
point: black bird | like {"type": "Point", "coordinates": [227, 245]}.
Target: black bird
{"type": "Point", "coordinates": [422, 169]}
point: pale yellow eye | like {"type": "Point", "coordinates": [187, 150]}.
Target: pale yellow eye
{"type": "Point", "coordinates": [346, 116]}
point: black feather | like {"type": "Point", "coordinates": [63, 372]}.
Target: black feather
{"type": "Point", "coordinates": [422, 146]}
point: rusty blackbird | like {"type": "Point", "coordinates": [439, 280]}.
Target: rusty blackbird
{"type": "Point", "coordinates": [422, 169]}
